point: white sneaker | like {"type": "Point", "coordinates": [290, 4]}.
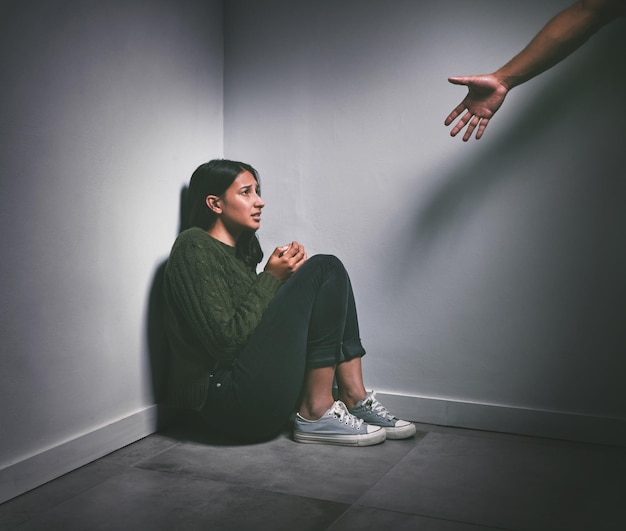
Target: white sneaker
{"type": "Point", "coordinates": [374, 413]}
{"type": "Point", "coordinates": [337, 426]}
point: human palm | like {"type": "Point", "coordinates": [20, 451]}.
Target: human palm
{"type": "Point", "coordinates": [485, 96]}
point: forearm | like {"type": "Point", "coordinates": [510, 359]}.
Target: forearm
{"type": "Point", "coordinates": [562, 35]}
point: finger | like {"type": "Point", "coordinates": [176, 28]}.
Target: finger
{"type": "Point", "coordinates": [292, 255]}
{"type": "Point", "coordinates": [300, 260]}
{"type": "Point", "coordinates": [481, 128]}
{"type": "Point", "coordinates": [456, 112]}
{"type": "Point", "coordinates": [301, 252]}
{"type": "Point", "coordinates": [461, 123]}
{"type": "Point", "coordinates": [470, 128]}
{"type": "Point", "coordinates": [280, 251]}
{"type": "Point", "coordinates": [287, 250]}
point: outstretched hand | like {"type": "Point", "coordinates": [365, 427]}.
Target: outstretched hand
{"type": "Point", "coordinates": [285, 260]}
{"type": "Point", "coordinates": [486, 94]}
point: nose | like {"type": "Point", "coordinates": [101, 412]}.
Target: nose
{"type": "Point", "coordinates": [259, 202]}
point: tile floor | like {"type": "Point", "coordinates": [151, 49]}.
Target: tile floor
{"type": "Point", "coordinates": [444, 479]}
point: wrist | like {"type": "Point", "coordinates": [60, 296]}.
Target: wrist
{"type": "Point", "coordinates": [507, 81]}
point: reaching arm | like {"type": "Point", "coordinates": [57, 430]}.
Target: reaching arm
{"type": "Point", "coordinates": [566, 32]}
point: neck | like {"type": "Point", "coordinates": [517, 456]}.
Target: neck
{"type": "Point", "coordinates": [220, 233]}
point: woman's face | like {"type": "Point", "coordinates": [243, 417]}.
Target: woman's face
{"type": "Point", "coordinates": [241, 205]}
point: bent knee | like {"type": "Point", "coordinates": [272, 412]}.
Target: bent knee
{"type": "Point", "coordinates": [328, 260]}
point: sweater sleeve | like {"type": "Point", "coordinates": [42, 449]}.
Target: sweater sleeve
{"type": "Point", "coordinates": [220, 300]}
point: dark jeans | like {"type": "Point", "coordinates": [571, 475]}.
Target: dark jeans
{"type": "Point", "coordinates": [311, 322]}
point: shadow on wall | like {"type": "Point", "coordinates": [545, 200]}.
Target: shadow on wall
{"type": "Point", "coordinates": [461, 190]}
{"type": "Point", "coordinates": [158, 347]}
{"type": "Point", "coordinates": [578, 268]}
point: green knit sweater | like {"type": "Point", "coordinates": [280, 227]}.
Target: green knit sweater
{"type": "Point", "coordinates": [213, 302]}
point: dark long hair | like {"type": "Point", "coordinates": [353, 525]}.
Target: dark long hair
{"type": "Point", "coordinates": [213, 178]}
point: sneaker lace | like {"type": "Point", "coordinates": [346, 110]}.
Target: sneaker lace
{"type": "Point", "coordinates": [340, 411]}
{"type": "Point", "coordinates": [377, 407]}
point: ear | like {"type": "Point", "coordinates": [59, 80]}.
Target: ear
{"type": "Point", "coordinates": [213, 202]}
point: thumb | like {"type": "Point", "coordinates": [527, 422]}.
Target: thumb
{"type": "Point", "coordinates": [459, 80]}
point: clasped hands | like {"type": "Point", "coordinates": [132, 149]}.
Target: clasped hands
{"type": "Point", "coordinates": [285, 260]}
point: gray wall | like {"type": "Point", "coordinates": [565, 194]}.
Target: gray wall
{"type": "Point", "coordinates": [106, 109]}
{"type": "Point", "coordinates": [487, 274]}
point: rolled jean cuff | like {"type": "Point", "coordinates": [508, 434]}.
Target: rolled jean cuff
{"type": "Point", "coordinates": [352, 348]}
{"type": "Point", "coordinates": [334, 354]}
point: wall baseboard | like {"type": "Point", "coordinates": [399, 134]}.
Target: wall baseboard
{"type": "Point", "coordinates": [506, 419]}
{"type": "Point", "coordinates": [49, 464]}
{"type": "Point", "coordinates": [52, 463]}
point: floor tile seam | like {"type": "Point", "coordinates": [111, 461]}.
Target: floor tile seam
{"type": "Point", "coordinates": [235, 483]}
{"type": "Point", "coordinates": [418, 444]}
{"type": "Point", "coordinates": [250, 488]}
{"type": "Point", "coordinates": [32, 515]}
{"type": "Point", "coordinates": [280, 490]}
{"type": "Point", "coordinates": [135, 464]}
{"type": "Point", "coordinates": [184, 475]}
{"type": "Point", "coordinates": [346, 504]}
{"type": "Point", "coordinates": [358, 504]}
{"type": "Point", "coordinates": [348, 507]}
{"type": "Point", "coordinates": [174, 445]}
{"type": "Point", "coordinates": [375, 484]}
{"type": "Point", "coordinates": [521, 437]}
{"type": "Point", "coordinates": [509, 442]}
{"type": "Point", "coordinates": [392, 467]}
{"type": "Point", "coordinates": [255, 488]}
{"type": "Point", "coordinates": [143, 465]}
{"type": "Point", "coordinates": [164, 475]}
